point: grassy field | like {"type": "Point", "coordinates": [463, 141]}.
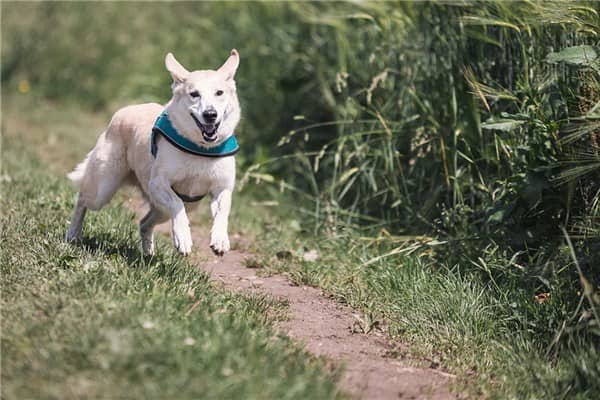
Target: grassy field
{"type": "Point", "coordinates": [502, 340]}
{"type": "Point", "coordinates": [441, 158]}
{"type": "Point", "coordinates": [99, 321]}
{"type": "Point", "coordinates": [111, 323]}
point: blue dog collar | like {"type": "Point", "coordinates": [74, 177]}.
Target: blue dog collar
{"type": "Point", "coordinates": [164, 127]}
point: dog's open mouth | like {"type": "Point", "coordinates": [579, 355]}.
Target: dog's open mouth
{"type": "Point", "coordinates": [209, 131]}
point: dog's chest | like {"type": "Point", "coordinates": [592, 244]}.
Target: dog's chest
{"type": "Point", "coordinates": [197, 176]}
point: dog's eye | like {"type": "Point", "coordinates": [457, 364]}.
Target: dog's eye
{"type": "Point", "coordinates": [219, 92]}
{"type": "Point", "coordinates": [195, 93]}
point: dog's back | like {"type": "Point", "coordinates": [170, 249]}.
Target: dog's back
{"type": "Point", "coordinates": [124, 146]}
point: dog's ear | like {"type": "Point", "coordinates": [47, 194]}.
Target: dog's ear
{"type": "Point", "coordinates": [230, 65]}
{"type": "Point", "coordinates": [178, 72]}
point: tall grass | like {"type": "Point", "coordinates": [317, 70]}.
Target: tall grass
{"type": "Point", "coordinates": [465, 133]}
{"type": "Point", "coordinates": [474, 124]}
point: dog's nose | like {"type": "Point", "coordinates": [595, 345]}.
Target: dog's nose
{"type": "Point", "coordinates": [209, 115]}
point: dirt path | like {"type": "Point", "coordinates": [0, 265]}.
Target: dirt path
{"type": "Point", "coordinates": [325, 328]}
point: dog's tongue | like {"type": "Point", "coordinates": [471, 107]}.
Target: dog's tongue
{"type": "Point", "coordinates": [209, 129]}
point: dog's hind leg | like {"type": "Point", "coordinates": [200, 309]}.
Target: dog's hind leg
{"type": "Point", "coordinates": [76, 227]}
{"type": "Point", "coordinates": [105, 171]}
{"type": "Point", "coordinates": [99, 176]}
{"type": "Point", "coordinates": [147, 224]}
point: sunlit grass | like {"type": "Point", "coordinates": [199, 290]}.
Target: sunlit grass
{"type": "Point", "coordinates": [97, 320]}
{"type": "Point", "coordinates": [431, 152]}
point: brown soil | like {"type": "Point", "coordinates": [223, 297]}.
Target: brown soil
{"type": "Point", "coordinates": [326, 328]}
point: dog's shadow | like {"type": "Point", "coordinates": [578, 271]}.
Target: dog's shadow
{"type": "Point", "coordinates": [111, 246]}
{"type": "Point", "coordinates": [163, 264]}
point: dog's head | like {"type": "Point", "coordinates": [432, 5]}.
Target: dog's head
{"type": "Point", "coordinates": [204, 107]}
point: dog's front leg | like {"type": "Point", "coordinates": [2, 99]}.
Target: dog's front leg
{"type": "Point", "coordinates": [165, 199]}
{"type": "Point", "coordinates": [220, 207]}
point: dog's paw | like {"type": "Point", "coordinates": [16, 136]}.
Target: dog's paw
{"type": "Point", "coordinates": [73, 235]}
{"type": "Point", "coordinates": [147, 237]}
{"type": "Point", "coordinates": [182, 238]}
{"type": "Point", "coordinates": [148, 246]}
{"type": "Point", "coordinates": [219, 242]}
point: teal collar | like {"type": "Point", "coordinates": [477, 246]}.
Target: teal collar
{"type": "Point", "coordinates": [164, 127]}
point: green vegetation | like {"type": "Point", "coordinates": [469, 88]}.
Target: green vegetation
{"type": "Point", "coordinates": [443, 159]}
{"type": "Point", "coordinates": [98, 321]}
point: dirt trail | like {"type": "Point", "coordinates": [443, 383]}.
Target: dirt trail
{"type": "Point", "coordinates": [325, 328]}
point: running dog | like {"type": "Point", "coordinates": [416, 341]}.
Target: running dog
{"type": "Point", "coordinates": [176, 154]}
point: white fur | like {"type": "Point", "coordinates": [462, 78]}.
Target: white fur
{"type": "Point", "coordinates": [122, 154]}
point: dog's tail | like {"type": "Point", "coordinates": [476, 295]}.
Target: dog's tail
{"type": "Point", "coordinates": [76, 176]}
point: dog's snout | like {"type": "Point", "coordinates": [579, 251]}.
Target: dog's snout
{"type": "Point", "coordinates": [210, 115]}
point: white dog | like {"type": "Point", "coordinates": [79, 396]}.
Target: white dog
{"type": "Point", "coordinates": [175, 154]}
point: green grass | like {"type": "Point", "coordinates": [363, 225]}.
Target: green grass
{"type": "Point", "coordinates": [493, 334]}
{"type": "Point", "coordinates": [98, 321]}
{"type": "Point", "coordinates": [73, 317]}
{"type": "Point", "coordinates": [438, 155]}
